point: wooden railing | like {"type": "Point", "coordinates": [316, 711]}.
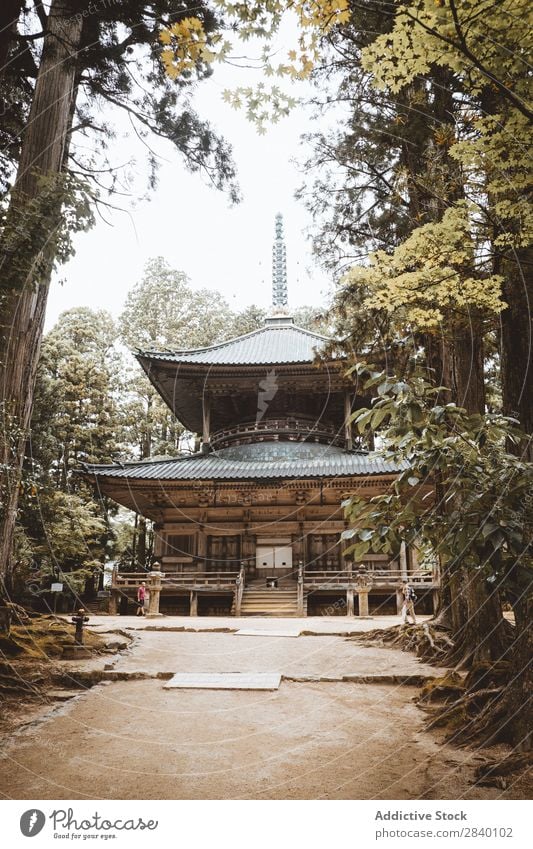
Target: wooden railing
{"type": "Point", "coordinates": [289, 427]}
{"type": "Point", "coordinates": [178, 580]}
{"type": "Point", "coordinates": [333, 579]}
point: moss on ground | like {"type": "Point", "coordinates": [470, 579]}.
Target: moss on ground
{"type": "Point", "coordinates": [42, 637]}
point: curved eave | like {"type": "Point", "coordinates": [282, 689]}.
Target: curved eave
{"type": "Point", "coordinates": [273, 344]}
{"type": "Point", "coordinates": [209, 467]}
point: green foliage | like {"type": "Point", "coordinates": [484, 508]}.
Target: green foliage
{"type": "Point", "coordinates": [485, 42]}
{"type": "Point", "coordinates": [37, 233]}
{"type": "Point", "coordinates": [459, 492]}
{"type": "Point", "coordinates": [76, 419]}
{"type": "Point", "coordinates": [436, 273]}
{"type": "Point", "coordinates": [119, 66]}
{"type": "Point", "coordinates": [76, 416]}
{"type": "Point", "coordinates": [61, 534]}
{"type": "Point", "coordinates": [163, 312]}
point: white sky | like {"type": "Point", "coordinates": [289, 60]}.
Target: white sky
{"type": "Point", "coordinates": [193, 226]}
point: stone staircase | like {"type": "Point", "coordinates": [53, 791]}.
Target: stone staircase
{"type": "Point", "coordinates": [258, 600]}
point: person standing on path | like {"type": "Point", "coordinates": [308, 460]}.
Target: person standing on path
{"type": "Point", "coordinates": [409, 598]}
{"type": "Point", "coordinates": [142, 594]}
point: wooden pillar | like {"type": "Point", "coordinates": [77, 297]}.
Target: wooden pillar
{"type": "Point", "coordinates": [297, 547]}
{"type": "Point", "coordinates": [413, 558]}
{"type": "Point", "coordinates": [436, 601]}
{"type": "Point", "coordinates": [303, 543]}
{"type": "Point", "coordinates": [113, 603]}
{"type": "Point", "coordinates": [159, 544]}
{"type": "Point", "coordinates": [248, 553]}
{"type": "Point", "coordinates": [350, 608]}
{"type": "Point", "coordinates": [403, 561]}
{"type": "Point", "coordinates": [206, 408]}
{"type": "Point", "coordinates": [201, 549]}
{"type": "Point", "coordinates": [347, 423]}
{"type": "Point", "coordinates": [194, 603]}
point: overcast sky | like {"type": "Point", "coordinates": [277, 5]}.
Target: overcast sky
{"type": "Point", "coordinates": [194, 227]}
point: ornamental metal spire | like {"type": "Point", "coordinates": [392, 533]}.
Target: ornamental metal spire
{"type": "Point", "coordinates": [279, 266]}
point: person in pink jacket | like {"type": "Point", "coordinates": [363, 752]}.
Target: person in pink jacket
{"type": "Point", "coordinates": [142, 597]}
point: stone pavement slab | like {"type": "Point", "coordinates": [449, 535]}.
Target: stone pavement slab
{"type": "Point", "coordinates": [224, 681]}
{"type": "Point", "coordinates": [256, 632]}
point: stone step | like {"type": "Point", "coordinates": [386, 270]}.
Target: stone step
{"type": "Point", "coordinates": [273, 593]}
{"type": "Point", "coordinates": [267, 607]}
{"type": "Point", "coordinates": [277, 597]}
{"type": "Point", "coordinates": [260, 601]}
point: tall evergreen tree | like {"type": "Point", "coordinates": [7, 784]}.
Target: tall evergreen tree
{"type": "Point", "coordinates": [112, 56]}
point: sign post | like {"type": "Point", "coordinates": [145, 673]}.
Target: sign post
{"type": "Point", "coordinates": [56, 588]}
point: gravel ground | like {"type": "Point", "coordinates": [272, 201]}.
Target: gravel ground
{"type": "Point", "coordinates": [135, 740]}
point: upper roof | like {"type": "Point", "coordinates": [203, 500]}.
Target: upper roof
{"type": "Point", "coordinates": [278, 341]}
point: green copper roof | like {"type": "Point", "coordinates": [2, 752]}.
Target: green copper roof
{"type": "Point", "coordinates": [263, 460]}
{"type": "Point", "coordinates": [279, 341]}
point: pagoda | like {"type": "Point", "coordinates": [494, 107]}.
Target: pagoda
{"type": "Point", "coordinates": [251, 523]}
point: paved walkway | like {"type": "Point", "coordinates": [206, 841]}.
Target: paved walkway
{"type": "Point", "coordinates": [324, 656]}
{"type": "Point", "coordinates": [316, 624]}
{"type": "Point", "coordinates": [323, 738]}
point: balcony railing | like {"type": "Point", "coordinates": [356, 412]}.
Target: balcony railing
{"type": "Point", "coordinates": [379, 578]}
{"type": "Point", "coordinates": [284, 428]}
{"type": "Point", "coordinates": [178, 580]}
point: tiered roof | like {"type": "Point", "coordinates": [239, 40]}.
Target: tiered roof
{"type": "Point", "coordinates": [278, 342]}
{"type": "Point", "coordinates": [259, 461]}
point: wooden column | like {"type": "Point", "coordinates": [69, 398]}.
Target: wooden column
{"type": "Point", "coordinates": [194, 603]}
{"type": "Point", "coordinates": [413, 558]}
{"type": "Point", "coordinates": [403, 561]}
{"type": "Point", "coordinates": [350, 609]}
{"type": "Point", "coordinates": [347, 423]}
{"type": "Point", "coordinates": [159, 544]}
{"type": "Point", "coordinates": [248, 553]}
{"type": "Point", "coordinates": [297, 546]}
{"type": "Point", "coordinates": [206, 409]}
{"type": "Point", "coordinates": [201, 549]}
{"type": "Point", "coordinates": [113, 603]}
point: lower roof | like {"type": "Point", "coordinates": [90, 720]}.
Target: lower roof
{"type": "Point", "coordinates": [257, 461]}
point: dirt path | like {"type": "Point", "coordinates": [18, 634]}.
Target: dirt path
{"type": "Point", "coordinates": [324, 739]}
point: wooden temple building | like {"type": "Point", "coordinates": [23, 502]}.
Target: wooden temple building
{"type": "Point", "coordinates": [251, 524]}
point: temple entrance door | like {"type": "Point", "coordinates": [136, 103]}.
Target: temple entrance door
{"type": "Point", "coordinates": [274, 559]}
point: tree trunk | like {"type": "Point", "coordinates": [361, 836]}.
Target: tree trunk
{"type": "Point", "coordinates": [23, 304]}
{"type": "Point", "coordinates": [468, 379]}
{"type": "Point", "coordinates": [519, 693]}
{"type": "Point", "coordinates": [482, 636]}
{"type": "Point", "coordinates": [517, 344]}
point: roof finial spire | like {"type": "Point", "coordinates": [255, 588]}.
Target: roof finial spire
{"type": "Point", "coordinates": [279, 266]}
